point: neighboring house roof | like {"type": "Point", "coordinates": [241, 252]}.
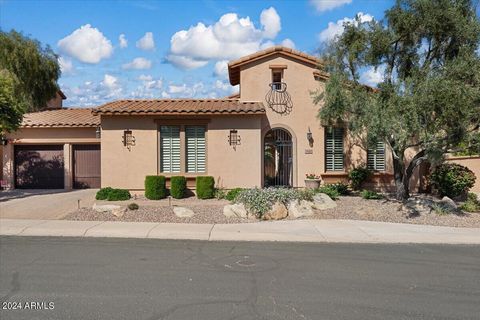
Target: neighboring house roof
{"type": "Point", "coordinates": [60, 118]}
{"type": "Point", "coordinates": [60, 92]}
{"type": "Point", "coordinates": [234, 66]}
{"type": "Point", "coordinates": [180, 107]}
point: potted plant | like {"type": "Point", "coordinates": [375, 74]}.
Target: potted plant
{"type": "Point", "coordinates": [312, 181]}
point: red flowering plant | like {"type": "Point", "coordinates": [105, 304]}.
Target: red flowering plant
{"type": "Point", "coordinates": [312, 176]}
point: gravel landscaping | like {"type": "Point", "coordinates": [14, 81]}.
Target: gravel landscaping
{"type": "Point", "coordinates": [211, 211]}
{"type": "Point", "coordinates": [389, 210]}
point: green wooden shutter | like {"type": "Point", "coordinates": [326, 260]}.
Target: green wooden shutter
{"type": "Point", "coordinates": [376, 157]}
{"type": "Point", "coordinates": [334, 149]}
{"type": "Point", "coordinates": [195, 148]}
{"type": "Point", "coordinates": [169, 148]}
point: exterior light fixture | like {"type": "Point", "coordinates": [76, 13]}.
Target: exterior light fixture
{"type": "Point", "coordinates": [128, 139]}
{"type": "Point", "coordinates": [4, 140]}
{"type": "Point", "coordinates": [98, 132]}
{"type": "Point", "coordinates": [234, 138]}
{"type": "Point", "coordinates": [310, 137]}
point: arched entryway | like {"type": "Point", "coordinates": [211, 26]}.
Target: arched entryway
{"type": "Point", "coordinates": [278, 158]}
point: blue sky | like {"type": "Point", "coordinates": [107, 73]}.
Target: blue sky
{"type": "Point", "coordinates": [173, 48]}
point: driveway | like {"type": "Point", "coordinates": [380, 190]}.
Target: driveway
{"type": "Point", "coordinates": [43, 204]}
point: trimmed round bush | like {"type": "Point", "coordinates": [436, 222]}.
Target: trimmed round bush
{"type": "Point", "coordinates": [133, 206]}
{"type": "Point", "coordinates": [155, 187]}
{"type": "Point", "coordinates": [102, 194]}
{"type": "Point", "coordinates": [178, 186]}
{"type": "Point", "coordinates": [452, 180]}
{"type": "Point", "coordinates": [118, 195]}
{"type": "Point", "coordinates": [205, 187]}
{"type": "Point", "coordinates": [232, 194]}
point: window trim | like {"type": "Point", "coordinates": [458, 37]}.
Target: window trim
{"type": "Point", "coordinates": [343, 150]}
{"type": "Point", "coordinates": [183, 154]}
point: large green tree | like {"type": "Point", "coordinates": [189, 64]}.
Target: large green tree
{"type": "Point", "coordinates": [28, 73]}
{"type": "Point", "coordinates": [428, 99]}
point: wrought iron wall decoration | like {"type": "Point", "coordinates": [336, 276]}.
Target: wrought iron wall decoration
{"type": "Point", "coordinates": [234, 139]}
{"type": "Point", "coordinates": [128, 139]}
{"type": "Point", "coordinates": [278, 99]}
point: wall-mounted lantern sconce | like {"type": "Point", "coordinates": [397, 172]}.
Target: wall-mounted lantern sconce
{"type": "Point", "coordinates": [128, 139]}
{"type": "Point", "coordinates": [310, 137]}
{"type": "Point", "coordinates": [98, 132]}
{"type": "Point", "coordinates": [4, 140]}
{"type": "Point", "coordinates": [234, 139]}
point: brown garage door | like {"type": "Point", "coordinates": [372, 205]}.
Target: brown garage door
{"type": "Point", "coordinates": [86, 164]}
{"type": "Point", "coordinates": [39, 166]}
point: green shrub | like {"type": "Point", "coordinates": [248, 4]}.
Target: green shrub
{"type": "Point", "coordinates": [178, 187]}
{"type": "Point", "coordinates": [452, 180]}
{"type": "Point", "coordinates": [118, 195]}
{"type": "Point", "coordinates": [472, 204]}
{"type": "Point", "coordinates": [102, 194]}
{"type": "Point", "coordinates": [370, 195]}
{"type": "Point", "coordinates": [329, 190]}
{"type": "Point", "coordinates": [155, 188]}
{"type": "Point", "coordinates": [133, 206]}
{"type": "Point", "coordinates": [358, 176]}
{"type": "Point", "coordinates": [342, 188]}
{"type": "Point", "coordinates": [205, 187]}
{"type": "Point", "coordinates": [232, 194]}
{"type": "Point", "coordinates": [220, 193]}
{"type": "Point", "coordinates": [259, 201]}
{"type": "Point", "coordinates": [440, 210]}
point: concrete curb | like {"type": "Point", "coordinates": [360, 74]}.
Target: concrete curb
{"type": "Point", "coordinates": [322, 231]}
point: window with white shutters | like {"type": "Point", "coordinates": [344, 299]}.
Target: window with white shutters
{"type": "Point", "coordinates": [195, 148]}
{"type": "Point", "coordinates": [334, 149]}
{"type": "Point", "coordinates": [376, 157]}
{"type": "Point", "coordinates": [170, 148]}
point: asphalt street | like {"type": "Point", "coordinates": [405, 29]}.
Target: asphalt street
{"type": "Point", "coordinates": [94, 278]}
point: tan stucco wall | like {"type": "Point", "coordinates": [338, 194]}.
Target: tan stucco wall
{"type": "Point", "coordinates": [65, 136]}
{"type": "Point", "coordinates": [254, 84]}
{"type": "Point", "coordinates": [125, 168]}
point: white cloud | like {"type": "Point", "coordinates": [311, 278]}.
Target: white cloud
{"type": "Point", "coordinates": [144, 77]}
{"type": "Point", "coordinates": [166, 95]}
{"type": "Point", "coordinates": [325, 5]}
{"type": "Point", "coordinates": [138, 63]}
{"type": "Point", "coordinates": [123, 41]}
{"type": "Point", "coordinates": [224, 86]}
{"type": "Point", "coordinates": [86, 44]}
{"type": "Point", "coordinates": [177, 89]}
{"type": "Point", "coordinates": [229, 38]}
{"type": "Point", "coordinates": [372, 77]}
{"type": "Point", "coordinates": [146, 42]}
{"type": "Point", "coordinates": [336, 28]}
{"type": "Point", "coordinates": [288, 43]}
{"type": "Point", "coordinates": [110, 81]}
{"type": "Point", "coordinates": [66, 65]}
{"type": "Point", "coordinates": [270, 20]}
{"type": "Point", "coordinates": [221, 69]}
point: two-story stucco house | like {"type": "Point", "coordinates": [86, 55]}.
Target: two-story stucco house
{"type": "Point", "coordinates": [268, 134]}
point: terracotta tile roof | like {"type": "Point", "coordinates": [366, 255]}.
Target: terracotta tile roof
{"type": "Point", "coordinates": [234, 70]}
{"type": "Point", "coordinates": [75, 117]}
{"type": "Point", "coordinates": [180, 106]}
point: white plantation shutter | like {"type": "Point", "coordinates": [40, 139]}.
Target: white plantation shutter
{"type": "Point", "coordinates": [376, 157]}
{"type": "Point", "coordinates": [169, 148]}
{"type": "Point", "coordinates": [334, 149]}
{"type": "Point", "coordinates": [195, 148]}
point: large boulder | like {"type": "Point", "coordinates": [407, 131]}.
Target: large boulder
{"type": "Point", "coordinates": [117, 211]}
{"type": "Point", "coordinates": [182, 212]}
{"type": "Point", "coordinates": [321, 201]}
{"type": "Point", "coordinates": [301, 208]}
{"type": "Point", "coordinates": [277, 212]}
{"type": "Point", "coordinates": [418, 206]}
{"type": "Point", "coordinates": [448, 204]}
{"type": "Point", "coordinates": [235, 210]}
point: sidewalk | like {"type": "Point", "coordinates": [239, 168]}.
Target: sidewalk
{"type": "Point", "coordinates": [352, 231]}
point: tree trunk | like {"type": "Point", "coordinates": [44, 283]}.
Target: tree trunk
{"type": "Point", "coordinates": [402, 192]}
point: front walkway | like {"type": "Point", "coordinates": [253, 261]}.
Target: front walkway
{"type": "Point", "coordinates": [43, 204]}
{"type": "Point", "coordinates": [290, 231]}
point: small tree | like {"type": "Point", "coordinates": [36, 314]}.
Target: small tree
{"type": "Point", "coordinates": [32, 70]}
{"type": "Point", "coordinates": [428, 99]}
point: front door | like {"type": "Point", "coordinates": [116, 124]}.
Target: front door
{"type": "Point", "coordinates": [278, 158]}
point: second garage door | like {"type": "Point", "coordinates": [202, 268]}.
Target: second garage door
{"type": "Point", "coordinates": [39, 166]}
{"type": "Point", "coordinates": [86, 166]}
